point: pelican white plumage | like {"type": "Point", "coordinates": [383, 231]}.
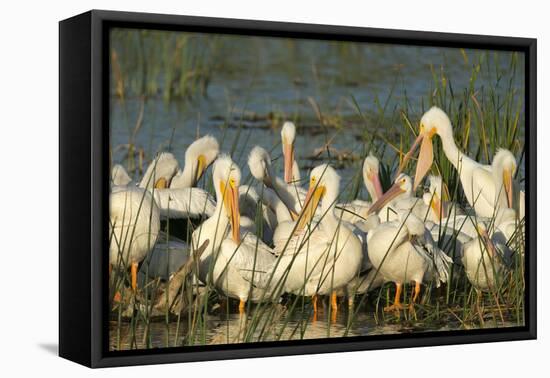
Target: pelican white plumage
{"type": "Point", "coordinates": [484, 260]}
{"type": "Point", "coordinates": [259, 163]}
{"type": "Point", "coordinates": [184, 203]}
{"type": "Point", "coordinates": [160, 172]}
{"type": "Point", "coordinates": [166, 257]}
{"type": "Point", "coordinates": [320, 259]}
{"type": "Point", "coordinates": [404, 251]}
{"type": "Point", "coordinates": [481, 183]}
{"type": "Point", "coordinates": [448, 219]}
{"type": "Point", "coordinates": [235, 264]}
{"type": "Point", "coordinates": [436, 200]}
{"type": "Point", "coordinates": [176, 194]}
{"type": "Point", "coordinates": [356, 210]}
{"type": "Point", "coordinates": [119, 176]}
{"type": "Point", "coordinates": [252, 204]}
{"type": "Point", "coordinates": [134, 225]}
{"type": "Point", "coordinates": [288, 137]}
{"type": "Point", "coordinates": [508, 228]}
{"type": "Point", "coordinates": [198, 157]}
{"type": "Point", "coordinates": [366, 280]}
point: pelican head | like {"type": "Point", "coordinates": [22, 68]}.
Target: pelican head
{"type": "Point", "coordinates": [227, 178]}
{"type": "Point", "coordinates": [402, 185]}
{"type": "Point", "coordinates": [433, 122]}
{"type": "Point", "coordinates": [200, 154]}
{"type": "Point", "coordinates": [288, 135]}
{"type": "Point", "coordinates": [504, 169]}
{"type": "Point", "coordinates": [160, 172]}
{"type": "Point", "coordinates": [371, 177]}
{"type": "Point", "coordinates": [324, 184]}
{"type": "Point", "coordinates": [434, 197]}
{"type": "Point", "coordinates": [259, 163]}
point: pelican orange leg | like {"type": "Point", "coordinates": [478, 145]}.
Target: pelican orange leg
{"type": "Point", "coordinates": [415, 296]}
{"type": "Point", "coordinates": [396, 306]}
{"type": "Point", "coordinates": [334, 305]}
{"type": "Point", "coordinates": [134, 269]}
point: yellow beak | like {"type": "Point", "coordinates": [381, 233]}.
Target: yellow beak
{"type": "Point", "coordinates": [288, 152]}
{"type": "Point", "coordinates": [201, 167]}
{"type": "Point", "coordinates": [161, 183]}
{"type": "Point", "coordinates": [392, 192]}
{"type": "Point", "coordinates": [507, 180]}
{"type": "Point", "coordinates": [313, 197]}
{"type": "Point", "coordinates": [231, 202]}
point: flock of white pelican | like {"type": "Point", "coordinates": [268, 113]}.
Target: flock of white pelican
{"type": "Point", "coordinates": [277, 237]}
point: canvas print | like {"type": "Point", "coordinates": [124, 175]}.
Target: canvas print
{"type": "Point", "coordinates": [276, 189]}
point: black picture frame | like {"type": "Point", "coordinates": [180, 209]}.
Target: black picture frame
{"type": "Point", "coordinates": [84, 187]}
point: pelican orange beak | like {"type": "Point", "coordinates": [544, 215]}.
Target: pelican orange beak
{"type": "Point", "coordinates": [425, 157]}
{"type": "Point", "coordinates": [288, 152]}
{"type": "Point", "coordinates": [201, 167]}
{"type": "Point", "coordinates": [507, 180]}
{"type": "Point", "coordinates": [231, 202]}
{"type": "Point", "coordinates": [392, 192]}
{"type": "Point", "coordinates": [375, 179]}
{"type": "Point", "coordinates": [313, 197]}
{"type": "Point", "coordinates": [161, 183]}
{"type": "Point", "coordinates": [436, 207]}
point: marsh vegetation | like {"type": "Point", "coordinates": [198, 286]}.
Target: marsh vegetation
{"type": "Point", "coordinates": [347, 100]}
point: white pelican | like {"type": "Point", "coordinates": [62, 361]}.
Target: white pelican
{"type": "Point", "coordinates": [399, 197]}
{"type": "Point", "coordinates": [259, 163]}
{"type": "Point", "coordinates": [484, 260]}
{"type": "Point", "coordinates": [436, 200]}
{"type": "Point", "coordinates": [236, 265]}
{"type": "Point", "coordinates": [404, 251]}
{"type": "Point", "coordinates": [119, 176]}
{"type": "Point", "coordinates": [198, 156]}
{"type": "Point", "coordinates": [322, 260]}
{"type": "Point", "coordinates": [291, 169]}
{"type": "Point", "coordinates": [481, 183]}
{"type": "Point", "coordinates": [134, 224]}
{"type": "Point", "coordinates": [166, 257]}
{"type": "Point", "coordinates": [160, 172]}
{"type": "Point", "coordinates": [175, 194]}
{"type": "Point", "coordinates": [356, 210]}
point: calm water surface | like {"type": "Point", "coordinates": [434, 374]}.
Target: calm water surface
{"type": "Point", "coordinates": [255, 77]}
